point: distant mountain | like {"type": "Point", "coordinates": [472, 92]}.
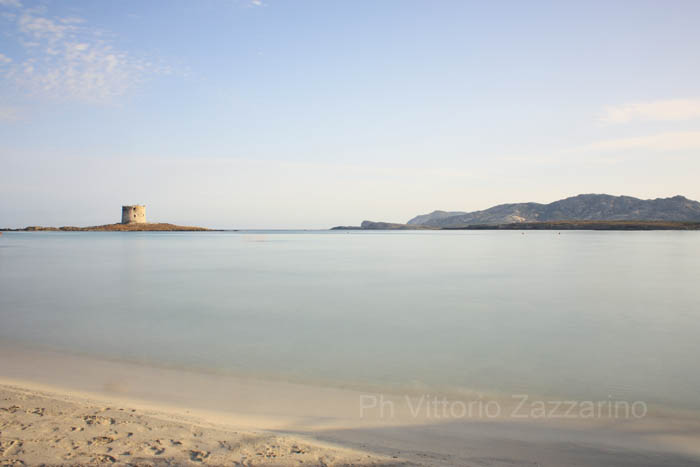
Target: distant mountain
{"type": "Point", "coordinates": [434, 216]}
{"type": "Point", "coordinates": [580, 208]}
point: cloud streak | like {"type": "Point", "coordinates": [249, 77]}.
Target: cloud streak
{"type": "Point", "coordinates": [658, 110]}
{"type": "Point", "coordinates": [668, 141]}
{"type": "Point", "coordinates": [66, 59]}
{"type": "Point", "coordinates": [11, 3]}
{"type": "Point", "coordinates": [8, 114]}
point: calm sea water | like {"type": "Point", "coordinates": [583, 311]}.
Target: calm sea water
{"type": "Point", "coordinates": [580, 314]}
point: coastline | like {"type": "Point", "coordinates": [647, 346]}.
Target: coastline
{"type": "Point", "coordinates": [49, 426]}
{"type": "Point", "coordinates": [325, 420]}
{"type": "Point", "coordinates": [640, 225]}
{"type": "Point", "coordinates": [141, 227]}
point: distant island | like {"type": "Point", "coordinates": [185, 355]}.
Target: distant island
{"type": "Point", "coordinates": [133, 220]}
{"type": "Point", "coordinates": [145, 227]}
{"type": "Point", "coordinates": [582, 212]}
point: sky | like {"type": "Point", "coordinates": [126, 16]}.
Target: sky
{"type": "Point", "coordinates": [316, 113]}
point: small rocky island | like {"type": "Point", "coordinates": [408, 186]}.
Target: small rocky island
{"type": "Point", "coordinates": [133, 220]}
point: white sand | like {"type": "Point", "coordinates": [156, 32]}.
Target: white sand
{"type": "Point", "coordinates": [38, 427]}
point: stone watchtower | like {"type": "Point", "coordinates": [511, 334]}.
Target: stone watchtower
{"type": "Point", "coordinates": [134, 214]}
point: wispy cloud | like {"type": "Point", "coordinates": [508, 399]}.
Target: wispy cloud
{"type": "Point", "coordinates": [65, 58]}
{"type": "Point", "coordinates": [11, 3]}
{"type": "Point", "coordinates": [8, 114]}
{"type": "Point", "coordinates": [668, 141]}
{"type": "Point", "coordinates": [658, 110]}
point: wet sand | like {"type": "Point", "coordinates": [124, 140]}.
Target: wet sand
{"type": "Point", "coordinates": [57, 409]}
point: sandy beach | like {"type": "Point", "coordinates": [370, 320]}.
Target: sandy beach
{"type": "Point", "coordinates": [49, 428]}
{"type": "Point", "coordinates": [68, 409]}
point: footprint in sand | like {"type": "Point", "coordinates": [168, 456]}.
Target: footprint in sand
{"type": "Point", "coordinates": [37, 411]}
{"type": "Point", "coordinates": [12, 463]}
{"type": "Point", "coordinates": [10, 447]}
{"type": "Point", "coordinates": [157, 450]}
{"type": "Point", "coordinates": [104, 459]}
{"type": "Point", "coordinates": [198, 456]}
{"type": "Point", "coordinates": [101, 440]}
{"type": "Point", "coordinates": [95, 420]}
{"type": "Point", "coordinates": [10, 409]}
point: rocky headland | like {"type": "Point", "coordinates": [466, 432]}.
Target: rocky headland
{"type": "Point", "coordinates": [582, 212]}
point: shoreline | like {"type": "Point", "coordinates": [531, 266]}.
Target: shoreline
{"type": "Point", "coordinates": [330, 416]}
{"type": "Point", "coordinates": [624, 226]}
{"type": "Point", "coordinates": [43, 425]}
{"type": "Point", "coordinates": [118, 227]}
{"type": "Point", "coordinates": [618, 226]}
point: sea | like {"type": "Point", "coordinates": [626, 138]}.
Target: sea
{"type": "Point", "coordinates": [587, 315]}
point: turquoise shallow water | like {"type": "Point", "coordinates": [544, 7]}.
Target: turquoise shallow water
{"type": "Point", "coordinates": [587, 315]}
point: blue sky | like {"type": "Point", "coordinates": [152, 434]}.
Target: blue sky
{"type": "Point", "coordinates": [308, 114]}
